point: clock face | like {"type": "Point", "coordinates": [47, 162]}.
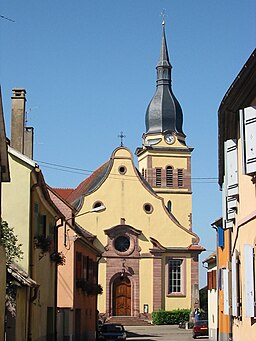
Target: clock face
{"type": "Point", "coordinates": [169, 138]}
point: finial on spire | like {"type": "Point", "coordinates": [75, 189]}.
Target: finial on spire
{"type": "Point", "coordinates": [163, 15]}
{"type": "Point", "coordinates": [122, 136]}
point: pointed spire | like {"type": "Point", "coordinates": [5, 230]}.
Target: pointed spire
{"type": "Point", "coordinates": [164, 57]}
{"type": "Point", "coordinates": [164, 112]}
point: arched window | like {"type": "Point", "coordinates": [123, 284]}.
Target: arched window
{"type": "Point", "coordinates": [158, 177]}
{"type": "Point", "coordinates": [169, 176]}
{"type": "Point", "coordinates": [143, 172]}
{"type": "Point", "coordinates": [169, 206]}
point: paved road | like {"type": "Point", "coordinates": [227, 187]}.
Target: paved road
{"type": "Point", "coordinates": [158, 333]}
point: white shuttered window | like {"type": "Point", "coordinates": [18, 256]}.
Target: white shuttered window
{"type": "Point", "coordinates": [248, 135]}
{"type": "Point", "coordinates": [231, 167]}
{"type": "Point", "coordinates": [226, 291]}
{"type": "Point", "coordinates": [249, 280]}
{"type": "Point", "coordinates": [235, 284]}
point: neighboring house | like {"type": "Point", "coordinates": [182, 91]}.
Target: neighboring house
{"type": "Point", "coordinates": [4, 177]}
{"type": "Point", "coordinates": [78, 279]}
{"type": "Point", "coordinates": [150, 253]}
{"type": "Point", "coordinates": [27, 208]}
{"type": "Point", "coordinates": [237, 174]}
{"type": "Point", "coordinates": [211, 263]}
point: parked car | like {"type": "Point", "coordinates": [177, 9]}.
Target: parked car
{"type": "Point", "coordinates": [111, 331]}
{"type": "Point", "coordinates": [200, 328]}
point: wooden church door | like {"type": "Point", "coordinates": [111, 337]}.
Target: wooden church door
{"type": "Point", "coordinates": [122, 297]}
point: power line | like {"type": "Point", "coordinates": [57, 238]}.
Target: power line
{"type": "Point", "coordinates": [82, 171]}
{"type": "Point", "coordinates": [3, 17]}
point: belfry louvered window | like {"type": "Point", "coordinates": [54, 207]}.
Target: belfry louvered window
{"type": "Point", "coordinates": [180, 177]}
{"type": "Point", "coordinates": [169, 176]}
{"type": "Point", "coordinates": [158, 177]}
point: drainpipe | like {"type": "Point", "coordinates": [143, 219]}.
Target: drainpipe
{"type": "Point", "coordinates": [217, 278]}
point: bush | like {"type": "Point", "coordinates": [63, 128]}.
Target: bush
{"type": "Point", "coordinates": [170, 317]}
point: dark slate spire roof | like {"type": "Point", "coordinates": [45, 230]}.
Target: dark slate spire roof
{"type": "Point", "coordinates": [164, 111]}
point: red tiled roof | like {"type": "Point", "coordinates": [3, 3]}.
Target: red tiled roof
{"type": "Point", "coordinates": [63, 192]}
{"type": "Point", "coordinates": [196, 247]}
{"type": "Point", "coordinates": [85, 184]}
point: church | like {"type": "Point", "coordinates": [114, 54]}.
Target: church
{"type": "Point", "coordinates": [149, 252]}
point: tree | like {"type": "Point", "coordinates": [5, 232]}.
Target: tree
{"type": "Point", "coordinates": [13, 253]}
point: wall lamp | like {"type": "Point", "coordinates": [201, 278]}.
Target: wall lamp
{"type": "Point", "coordinates": [95, 209]}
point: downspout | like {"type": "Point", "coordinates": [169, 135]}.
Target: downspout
{"type": "Point", "coordinates": [31, 248]}
{"type": "Point", "coordinates": [217, 278]}
{"type": "Point", "coordinates": [96, 313]}
{"type": "Point", "coordinates": [56, 277]}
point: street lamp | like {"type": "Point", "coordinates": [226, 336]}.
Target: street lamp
{"type": "Point", "coordinates": [95, 209]}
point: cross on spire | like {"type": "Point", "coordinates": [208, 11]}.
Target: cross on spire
{"type": "Point", "coordinates": [163, 15]}
{"type": "Point", "coordinates": [122, 136]}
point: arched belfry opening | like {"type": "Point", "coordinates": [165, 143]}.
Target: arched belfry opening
{"type": "Point", "coordinates": [121, 296]}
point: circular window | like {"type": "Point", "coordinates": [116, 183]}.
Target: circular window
{"type": "Point", "coordinates": [122, 243]}
{"type": "Point", "coordinates": [122, 169]}
{"type": "Point", "coordinates": [148, 208]}
{"type": "Point", "coordinates": [97, 204]}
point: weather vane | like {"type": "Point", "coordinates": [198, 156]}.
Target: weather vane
{"type": "Point", "coordinates": [122, 136]}
{"type": "Point", "coordinates": [163, 15]}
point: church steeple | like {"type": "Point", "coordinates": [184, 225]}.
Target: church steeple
{"type": "Point", "coordinates": [164, 112]}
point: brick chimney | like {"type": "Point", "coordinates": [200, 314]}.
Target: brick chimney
{"type": "Point", "coordinates": [21, 136]}
{"type": "Point", "coordinates": [18, 119]}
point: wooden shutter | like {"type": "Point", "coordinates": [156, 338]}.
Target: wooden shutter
{"type": "Point", "coordinates": [249, 280]}
{"type": "Point", "coordinates": [226, 291]}
{"type": "Point", "coordinates": [231, 167]}
{"type": "Point", "coordinates": [78, 265]}
{"type": "Point", "coordinates": [249, 115]}
{"type": "Point", "coordinates": [209, 280]}
{"type": "Point", "coordinates": [235, 284]}
{"type": "Point", "coordinates": [214, 279]}
{"type": "Point", "coordinates": [221, 240]}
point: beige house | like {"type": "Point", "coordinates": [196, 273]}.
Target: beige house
{"type": "Point", "coordinates": [211, 263]}
{"type": "Point", "coordinates": [4, 177]}
{"type": "Point", "coordinates": [149, 251]}
{"type": "Point", "coordinates": [77, 286]}
{"type": "Point", "coordinates": [237, 169]}
{"type": "Point", "coordinates": [28, 208]}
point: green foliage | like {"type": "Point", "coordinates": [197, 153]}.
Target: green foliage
{"type": "Point", "coordinates": [88, 287]}
{"type": "Point", "coordinates": [44, 243]}
{"type": "Point", "coordinates": [170, 317]}
{"type": "Point", "coordinates": [10, 242]}
{"type": "Point", "coordinates": [58, 257]}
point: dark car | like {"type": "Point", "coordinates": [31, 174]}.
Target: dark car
{"type": "Point", "coordinates": [111, 331]}
{"type": "Point", "coordinates": [200, 328]}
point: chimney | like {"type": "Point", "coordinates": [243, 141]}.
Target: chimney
{"type": "Point", "coordinates": [28, 142]}
{"type": "Point", "coordinates": [18, 119]}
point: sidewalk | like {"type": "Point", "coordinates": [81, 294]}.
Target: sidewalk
{"type": "Point", "coordinates": [158, 333]}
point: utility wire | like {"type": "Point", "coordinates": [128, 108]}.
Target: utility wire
{"type": "Point", "coordinates": [82, 171]}
{"type": "Point", "coordinates": [3, 17]}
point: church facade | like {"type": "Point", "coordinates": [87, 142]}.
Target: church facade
{"type": "Point", "coordinates": [149, 252]}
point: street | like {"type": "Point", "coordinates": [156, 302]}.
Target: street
{"type": "Point", "coordinates": [159, 333]}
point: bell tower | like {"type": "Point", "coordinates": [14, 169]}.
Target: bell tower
{"type": "Point", "coordinates": [164, 159]}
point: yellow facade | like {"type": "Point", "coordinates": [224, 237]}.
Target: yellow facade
{"type": "Point", "coordinates": [125, 194]}
{"type": "Point", "coordinates": [36, 298]}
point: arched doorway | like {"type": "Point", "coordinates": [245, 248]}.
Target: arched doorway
{"type": "Point", "coordinates": [122, 297]}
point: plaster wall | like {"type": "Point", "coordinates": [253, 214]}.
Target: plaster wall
{"type": "Point", "coordinates": [17, 214]}
{"type": "Point", "coordinates": [146, 275]}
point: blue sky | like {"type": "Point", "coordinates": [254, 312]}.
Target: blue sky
{"type": "Point", "coordinates": [89, 71]}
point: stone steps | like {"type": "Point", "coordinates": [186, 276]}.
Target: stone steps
{"type": "Point", "coordinates": [128, 321]}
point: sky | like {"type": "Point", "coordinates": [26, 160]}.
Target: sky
{"type": "Point", "coordinates": [89, 71]}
